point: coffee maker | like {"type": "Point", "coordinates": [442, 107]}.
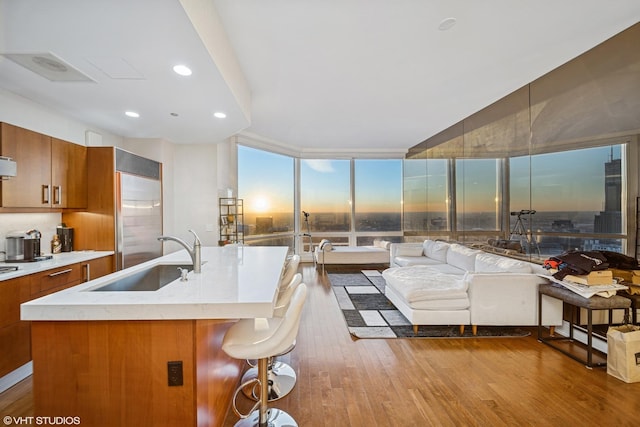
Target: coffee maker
{"type": "Point", "coordinates": [66, 237]}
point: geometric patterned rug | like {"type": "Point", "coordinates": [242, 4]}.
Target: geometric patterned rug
{"type": "Point", "coordinates": [369, 314]}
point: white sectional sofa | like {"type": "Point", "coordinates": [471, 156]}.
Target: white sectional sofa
{"type": "Point", "coordinates": [441, 283]}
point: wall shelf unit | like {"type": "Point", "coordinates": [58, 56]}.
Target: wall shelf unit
{"type": "Point", "coordinates": [231, 220]}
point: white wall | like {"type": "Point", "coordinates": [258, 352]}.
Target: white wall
{"type": "Point", "coordinates": [195, 193]}
{"type": "Point", "coordinates": [29, 115]}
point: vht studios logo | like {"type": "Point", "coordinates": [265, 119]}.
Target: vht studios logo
{"type": "Point", "coordinates": [41, 421]}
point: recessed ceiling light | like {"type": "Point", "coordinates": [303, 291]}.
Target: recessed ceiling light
{"type": "Point", "coordinates": [447, 24]}
{"type": "Point", "coordinates": [183, 70]}
{"type": "Point", "coordinates": [219, 115]}
{"type": "Point", "coordinates": [132, 114]}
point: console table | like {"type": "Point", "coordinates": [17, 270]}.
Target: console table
{"type": "Point", "coordinates": [574, 301]}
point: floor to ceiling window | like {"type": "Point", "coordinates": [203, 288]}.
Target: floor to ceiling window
{"type": "Point", "coordinates": [578, 197]}
{"type": "Point", "coordinates": [570, 199]}
{"type": "Point", "coordinates": [556, 201]}
{"type": "Point", "coordinates": [325, 193]}
{"type": "Point", "coordinates": [266, 184]}
{"type": "Point", "coordinates": [478, 195]}
{"type": "Point", "coordinates": [378, 199]}
{"type": "Point", "coordinates": [426, 196]}
{"type": "Point", "coordinates": [349, 201]}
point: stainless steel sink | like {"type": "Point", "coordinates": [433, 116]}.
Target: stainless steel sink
{"type": "Point", "coordinates": [151, 279]}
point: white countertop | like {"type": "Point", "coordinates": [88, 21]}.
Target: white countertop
{"type": "Point", "coordinates": [58, 260]}
{"type": "Point", "coordinates": [235, 282]}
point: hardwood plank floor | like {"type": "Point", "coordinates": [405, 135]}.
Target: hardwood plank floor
{"type": "Point", "coordinates": [422, 382]}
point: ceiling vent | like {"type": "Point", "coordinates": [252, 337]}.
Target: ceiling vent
{"type": "Point", "coordinates": [48, 66]}
{"type": "Point", "coordinates": [8, 168]}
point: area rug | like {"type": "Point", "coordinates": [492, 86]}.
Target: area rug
{"type": "Point", "coordinates": [369, 314]}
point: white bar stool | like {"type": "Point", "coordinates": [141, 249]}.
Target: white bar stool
{"type": "Point", "coordinates": [281, 376]}
{"type": "Point", "coordinates": [261, 339]}
{"type": "Point", "coordinates": [289, 270]}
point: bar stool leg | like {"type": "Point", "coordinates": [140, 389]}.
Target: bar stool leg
{"type": "Point", "coordinates": [281, 378]}
{"type": "Point", "coordinates": [264, 390]}
{"type": "Point", "coordinates": [265, 416]}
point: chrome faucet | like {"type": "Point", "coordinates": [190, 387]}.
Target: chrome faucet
{"type": "Point", "coordinates": [194, 251]}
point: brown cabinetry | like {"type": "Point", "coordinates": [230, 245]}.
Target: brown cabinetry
{"type": "Point", "coordinates": [51, 173]}
{"type": "Point", "coordinates": [54, 280]}
{"type": "Point", "coordinates": [97, 268]}
{"type": "Point", "coordinates": [15, 334]}
{"type": "Point", "coordinates": [32, 153]}
{"type": "Point", "coordinates": [68, 174]}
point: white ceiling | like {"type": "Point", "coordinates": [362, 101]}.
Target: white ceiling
{"type": "Point", "coordinates": [308, 76]}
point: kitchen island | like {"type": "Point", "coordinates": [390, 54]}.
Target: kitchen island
{"type": "Point", "coordinates": [149, 358]}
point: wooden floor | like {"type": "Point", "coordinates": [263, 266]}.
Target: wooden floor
{"type": "Point", "coordinates": [421, 382]}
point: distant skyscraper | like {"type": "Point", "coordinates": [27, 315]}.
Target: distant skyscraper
{"type": "Point", "coordinates": [264, 225]}
{"type": "Point", "coordinates": [610, 220]}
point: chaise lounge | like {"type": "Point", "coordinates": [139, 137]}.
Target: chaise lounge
{"type": "Point", "coordinates": [327, 253]}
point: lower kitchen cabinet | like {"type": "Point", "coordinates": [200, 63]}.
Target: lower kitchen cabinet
{"type": "Point", "coordinates": [96, 268]}
{"type": "Point", "coordinates": [54, 280]}
{"type": "Point", "coordinates": [15, 334]}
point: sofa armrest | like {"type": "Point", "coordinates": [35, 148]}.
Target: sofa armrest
{"type": "Point", "coordinates": [394, 247]}
{"type": "Point", "coordinates": [509, 299]}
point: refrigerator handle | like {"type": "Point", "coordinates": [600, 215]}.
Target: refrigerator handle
{"type": "Point", "coordinates": [119, 224]}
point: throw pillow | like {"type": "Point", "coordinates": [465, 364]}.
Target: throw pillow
{"type": "Point", "coordinates": [409, 250]}
{"type": "Point", "coordinates": [325, 245]}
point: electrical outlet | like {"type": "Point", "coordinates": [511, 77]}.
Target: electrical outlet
{"type": "Point", "coordinates": [174, 373]}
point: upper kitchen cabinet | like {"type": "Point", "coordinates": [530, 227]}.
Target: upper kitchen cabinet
{"type": "Point", "coordinates": [51, 173]}
{"type": "Point", "coordinates": [68, 174]}
{"type": "Point", "coordinates": [30, 188]}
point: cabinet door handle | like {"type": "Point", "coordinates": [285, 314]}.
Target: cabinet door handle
{"type": "Point", "coordinates": [57, 273]}
{"type": "Point", "coordinates": [57, 194]}
{"type": "Point", "coordinates": [87, 270]}
{"type": "Point", "coordinates": [45, 194]}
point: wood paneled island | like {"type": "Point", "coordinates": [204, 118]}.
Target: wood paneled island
{"type": "Point", "coordinates": [110, 357]}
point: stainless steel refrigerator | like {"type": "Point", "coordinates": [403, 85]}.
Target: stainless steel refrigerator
{"type": "Point", "coordinates": [138, 209]}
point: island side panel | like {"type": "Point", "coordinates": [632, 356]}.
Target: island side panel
{"type": "Point", "coordinates": [114, 372]}
{"type": "Point", "coordinates": [218, 375]}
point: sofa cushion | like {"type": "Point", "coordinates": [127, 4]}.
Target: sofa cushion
{"type": "Point", "coordinates": [404, 261]}
{"type": "Point", "coordinates": [462, 257]}
{"type": "Point", "coordinates": [441, 304]}
{"type": "Point", "coordinates": [406, 250]}
{"type": "Point", "coordinates": [421, 283]}
{"type": "Point", "coordinates": [490, 263]}
{"type": "Point", "coordinates": [436, 250]}
{"type": "Point", "coordinates": [383, 244]}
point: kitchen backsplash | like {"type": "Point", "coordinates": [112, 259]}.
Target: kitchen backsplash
{"type": "Point", "coordinates": [46, 223]}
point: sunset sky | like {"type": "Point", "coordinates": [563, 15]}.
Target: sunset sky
{"type": "Point", "coordinates": [565, 181]}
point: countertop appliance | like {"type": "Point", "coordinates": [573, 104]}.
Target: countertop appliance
{"type": "Point", "coordinates": [138, 209]}
{"type": "Point", "coordinates": [66, 237]}
{"type": "Point", "coordinates": [32, 245]}
{"type": "Point", "coordinates": [15, 246]}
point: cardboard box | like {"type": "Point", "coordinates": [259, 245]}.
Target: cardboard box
{"type": "Point", "coordinates": [603, 277]}
{"type": "Point", "coordinates": [626, 275]}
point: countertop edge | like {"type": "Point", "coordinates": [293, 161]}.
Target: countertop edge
{"type": "Point", "coordinates": [58, 260]}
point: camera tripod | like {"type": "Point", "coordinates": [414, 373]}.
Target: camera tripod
{"type": "Point", "coordinates": [308, 234]}
{"type": "Point", "coordinates": [526, 238]}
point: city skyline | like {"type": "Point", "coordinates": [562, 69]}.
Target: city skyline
{"type": "Point", "coordinates": [586, 180]}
